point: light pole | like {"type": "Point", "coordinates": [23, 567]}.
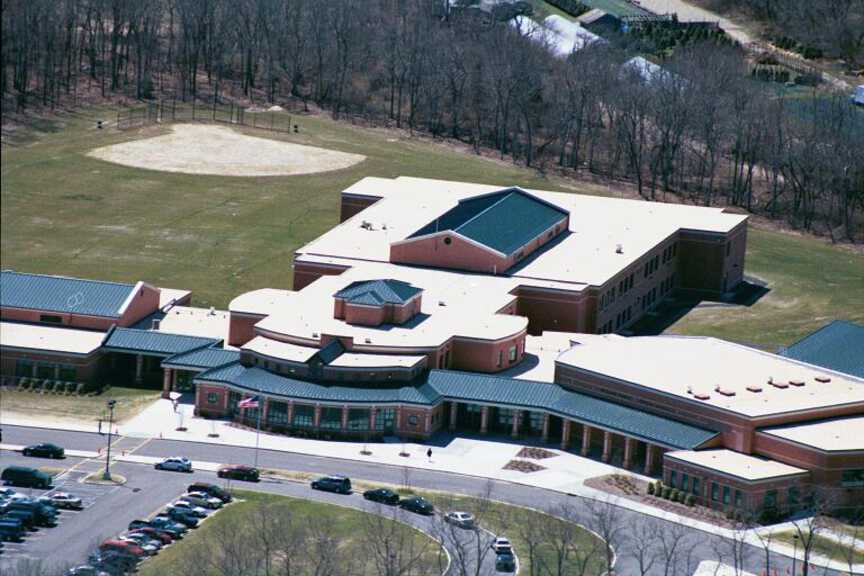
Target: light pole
{"type": "Point", "coordinates": [107, 474]}
{"type": "Point", "coordinates": [794, 552]}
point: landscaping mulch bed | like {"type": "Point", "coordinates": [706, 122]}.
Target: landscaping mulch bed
{"type": "Point", "coordinates": [636, 489]}
{"type": "Point", "coordinates": [535, 453]}
{"type": "Point", "coordinates": [523, 466]}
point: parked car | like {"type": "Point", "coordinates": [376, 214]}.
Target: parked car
{"type": "Point", "coordinates": [182, 517]}
{"type": "Point", "coordinates": [154, 534]}
{"type": "Point", "coordinates": [338, 484]}
{"type": "Point", "coordinates": [175, 464]}
{"type": "Point", "coordinates": [239, 472]}
{"type": "Point", "coordinates": [203, 500]}
{"type": "Point", "coordinates": [27, 518]}
{"type": "Point", "coordinates": [502, 545]}
{"type": "Point", "coordinates": [43, 514]}
{"type": "Point", "coordinates": [87, 570]}
{"type": "Point", "coordinates": [63, 500]}
{"type": "Point", "coordinates": [12, 530]}
{"type": "Point", "coordinates": [461, 519]}
{"type": "Point", "coordinates": [44, 450]}
{"type": "Point", "coordinates": [10, 494]}
{"type": "Point", "coordinates": [212, 490]}
{"type": "Point", "coordinates": [383, 495]}
{"type": "Point", "coordinates": [149, 548]}
{"type": "Point", "coordinates": [123, 548]}
{"type": "Point", "coordinates": [505, 562]}
{"type": "Point", "coordinates": [162, 524]}
{"type": "Point", "coordinates": [188, 507]}
{"type": "Point", "coordinates": [114, 562]}
{"type": "Point", "coordinates": [418, 505]}
{"type": "Point", "coordinates": [24, 476]}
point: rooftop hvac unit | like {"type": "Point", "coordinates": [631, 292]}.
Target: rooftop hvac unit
{"type": "Point", "coordinates": [619, 249]}
{"type": "Point", "coordinates": [753, 388]}
{"type": "Point", "coordinates": [702, 396]}
{"type": "Point", "coordinates": [777, 384]}
{"type": "Point", "coordinates": [212, 311]}
{"type": "Point", "coordinates": [314, 334]}
{"type": "Point", "coordinates": [823, 379]}
{"type": "Point", "coordinates": [798, 383]}
{"type": "Point", "coordinates": [367, 340]}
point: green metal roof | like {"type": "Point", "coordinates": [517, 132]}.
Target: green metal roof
{"type": "Point", "coordinates": [377, 292]}
{"type": "Point", "coordinates": [202, 358]}
{"type": "Point", "coordinates": [503, 221]}
{"type": "Point", "coordinates": [62, 294]}
{"type": "Point", "coordinates": [153, 342]}
{"type": "Point", "coordinates": [837, 346]}
{"type": "Point", "coordinates": [331, 351]}
{"type": "Point", "coordinates": [441, 385]}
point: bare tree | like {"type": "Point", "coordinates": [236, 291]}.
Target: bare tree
{"type": "Point", "coordinates": [604, 518]}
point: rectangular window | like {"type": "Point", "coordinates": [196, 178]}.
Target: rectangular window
{"type": "Point", "coordinates": [715, 491]}
{"type": "Point", "coordinates": [304, 416]}
{"type": "Point", "coordinates": [23, 368]}
{"type": "Point", "coordinates": [331, 418]}
{"type": "Point", "coordinates": [358, 419]}
{"type": "Point", "coordinates": [685, 482]}
{"type": "Point", "coordinates": [771, 499]}
{"type": "Point", "coordinates": [696, 487]}
{"type": "Point", "coordinates": [500, 358]}
{"type": "Point", "coordinates": [853, 478]}
{"type": "Point", "coordinates": [728, 248]}
{"type": "Point", "coordinates": [68, 373]}
{"type": "Point", "coordinates": [212, 397]}
{"type": "Point", "coordinates": [793, 497]}
{"type": "Point", "coordinates": [673, 478]}
{"type": "Point", "coordinates": [277, 413]}
{"type": "Point", "coordinates": [727, 493]}
{"type": "Point", "coordinates": [50, 319]}
{"type": "Point", "coordinates": [45, 371]}
{"type": "Point", "coordinates": [512, 354]}
{"type": "Point", "coordinates": [739, 499]}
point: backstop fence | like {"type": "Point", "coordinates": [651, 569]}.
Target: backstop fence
{"type": "Point", "coordinates": [167, 111]}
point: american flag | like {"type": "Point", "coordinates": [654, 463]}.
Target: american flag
{"type": "Point", "coordinates": [251, 402]}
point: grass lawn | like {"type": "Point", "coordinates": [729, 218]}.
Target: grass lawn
{"type": "Point", "coordinates": [811, 283]}
{"type": "Point", "coordinates": [130, 401]}
{"type": "Point", "coordinates": [66, 213]}
{"type": "Point", "coordinates": [232, 530]}
{"type": "Point", "coordinates": [825, 547]}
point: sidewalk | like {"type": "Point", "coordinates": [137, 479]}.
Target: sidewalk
{"type": "Point", "coordinates": [565, 472]}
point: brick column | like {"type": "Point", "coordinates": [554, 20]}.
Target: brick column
{"type": "Point", "coordinates": [484, 419]}
{"type": "Point", "coordinates": [290, 412]}
{"type": "Point", "coordinates": [454, 415]}
{"type": "Point", "coordinates": [427, 423]}
{"type": "Point", "coordinates": [316, 419]}
{"type": "Point", "coordinates": [166, 383]}
{"type": "Point", "coordinates": [139, 368]}
{"type": "Point", "coordinates": [399, 418]}
{"type": "Point", "coordinates": [628, 451]}
{"type": "Point", "coordinates": [607, 445]}
{"type": "Point", "coordinates": [649, 459]}
{"type": "Point", "coordinates": [174, 374]}
{"type": "Point", "coordinates": [265, 406]}
{"type": "Point", "coordinates": [517, 416]}
{"type": "Point", "coordinates": [344, 418]}
{"type": "Point", "coordinates": [586, 440]}
{"type": "Point", "coordinates": [565, 434]}
{"type": "Point", "coordinates": [545, 427]}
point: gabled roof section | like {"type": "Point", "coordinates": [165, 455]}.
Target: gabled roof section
{"type": "Point", "coordinates": [202, 358]}
{"type": "Point", "coordinates": [378, 292]}
{"type": "Point", "coordinates": [63, 294]}
{"type": "Point", "coordinates": [503, 221]}
{"type": "Point", "coordinates": [331, 351]}
{"type": "Point", "coordinates": [837, 346]}
{"type": "Point", "coordinates": [153, 342]}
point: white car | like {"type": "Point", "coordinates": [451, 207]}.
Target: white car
{"type": "Point", "coordinates": [502, 546]}
{"type": "Point", "coordinates": [186, 506]}
{"type": "Point", "coordinates": [461, 519]}
{"type": "Point", "coordinates": [176, 464]}
{"type": "Point", "coordinates": [63, 500]}
{"type": "Point", "coordinates": [214, 503]}
{"type": "Point", "coordinates": [11, 494]}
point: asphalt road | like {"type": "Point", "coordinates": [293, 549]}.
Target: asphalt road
{"type": "Point", "coordinates": [119, 507]}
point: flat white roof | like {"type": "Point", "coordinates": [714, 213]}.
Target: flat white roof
{"type": "Point", "coordinates": [280, 350]}
{"type": "Point", "coordinates": [167, 295]}
{"type": "Point", "coordinates": [261, 302]}
{"type": "Point", "coordinates": [352, 360]}
{"type": "Point", "coordinates": [453, 304]}
{"type": "Point", "coordinates": [586, 257]}
{"type": "Point", "coordinates": [49, 338]}
{"type": "Point", "coordinates": [694, 367]}
{"type": "Point", "coordinates": [540, 355]}
{"type": "Point", "coordinates": [736, 464]}
{"type": "Point", "coordinates": [834, 434]}
{"type": "Point", "coordinates": [192, 321]}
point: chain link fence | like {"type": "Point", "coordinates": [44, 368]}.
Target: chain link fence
{"type": "Point", "coordinates": [167, 111]}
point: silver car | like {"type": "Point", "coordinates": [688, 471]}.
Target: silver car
{"type": "Point", "coordinates": [461, 519]}
{"type": "Point", "coordinates": [175, 464]}
{"type": "Point", "coordinates": [186, 506]}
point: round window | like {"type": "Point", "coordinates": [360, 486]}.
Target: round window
{"type": "Point", "coordinates": [448, 240]}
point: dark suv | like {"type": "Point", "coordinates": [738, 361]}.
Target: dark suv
{"type": "Point", "coordinates": [44, 450]}
{"type": "Point", "coordinates": [417, 504]}
{"type": "Point", "coordinates": [338, 484]}
{"type": "Point", "coordinates": [238, 472]}
{"type": "Point", "coordinates": [211, 489]}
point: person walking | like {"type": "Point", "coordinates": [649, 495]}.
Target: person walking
{"type": "Point", "coordinates": [429, 454]}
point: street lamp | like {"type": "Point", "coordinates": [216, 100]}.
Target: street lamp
{"type": "Point", "coordinates": [794, 552]}
{"type": "Point", "coordinates": [107, 474]}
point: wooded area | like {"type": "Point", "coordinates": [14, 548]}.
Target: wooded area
{"type": "Point", "coordinates": [702, 128]}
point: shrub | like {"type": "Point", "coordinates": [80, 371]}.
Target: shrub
{"type": "Point", "coordinates": [650, 489]}
{"type": "Point", "coordinates": [667, 491]}
{"type": "Point", "coordinates": [690, 500]}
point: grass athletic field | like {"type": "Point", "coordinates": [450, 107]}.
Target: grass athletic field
{"type": "Point", "coordinates": [65, 212]}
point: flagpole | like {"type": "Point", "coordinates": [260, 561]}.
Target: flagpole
{"type": "Point", "coordinates": [258, 429]}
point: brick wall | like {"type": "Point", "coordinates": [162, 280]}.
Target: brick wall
{"type": "Point", "coordinates": [352, 205]}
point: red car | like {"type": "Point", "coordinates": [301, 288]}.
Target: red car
{"type": "Point", "coordinates": [122, 547]}
{"type": "Point", "coordinates": [153, 533]}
